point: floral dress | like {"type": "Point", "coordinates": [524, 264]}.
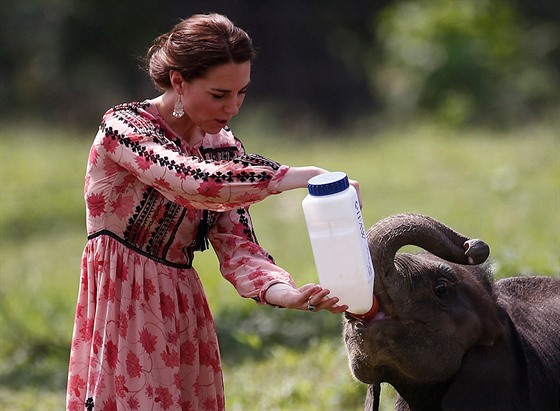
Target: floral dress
{"type": "Point", "coordinates": [144, 338]}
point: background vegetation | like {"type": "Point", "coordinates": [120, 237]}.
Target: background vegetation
{"type": "Point", "coordinates": [440, 107]}
{"type": "Point", "coordinates": [484, 61]}
{"type": "Point", "coordinates": [502, 187]}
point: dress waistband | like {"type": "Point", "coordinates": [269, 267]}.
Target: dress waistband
{"type": "Point", "coordinates": [189, 254]}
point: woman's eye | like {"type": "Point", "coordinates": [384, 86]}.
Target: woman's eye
{"type": "Point", "coordinates": [222, 96]}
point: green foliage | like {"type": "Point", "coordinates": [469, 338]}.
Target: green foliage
{"type": "Point", "coordinates": [501, 187]}
{"type": "Point", "coordinates": [41, 237]}
{"type": "Point", "coordinates": [464, 61]}
{"type": "Point", "coordinates": [42, 178]}
{"type": "Point", "coordinates": [323, 382]}
{"type": "Point", "coordinates": [299, 363]}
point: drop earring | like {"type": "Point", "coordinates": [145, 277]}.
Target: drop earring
{"type": "Point", "coordinates": [178, 110]}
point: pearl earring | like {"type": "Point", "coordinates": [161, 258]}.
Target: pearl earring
{"type": "Point", "coordinates": [178, 110]}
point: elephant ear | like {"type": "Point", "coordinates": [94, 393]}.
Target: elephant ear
{"type": "Point", "coordinates": [480, 383]}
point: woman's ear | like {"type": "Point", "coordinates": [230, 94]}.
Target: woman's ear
{"type": "Point", "coordinates": [176, 80]}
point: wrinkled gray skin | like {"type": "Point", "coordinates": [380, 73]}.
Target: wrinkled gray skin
{"type": "Point", "coordinates": [451, 339]}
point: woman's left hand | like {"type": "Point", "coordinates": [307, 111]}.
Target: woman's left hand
{"type": "Point", "coordinates": [309, 297]}
{"type": "Point", "coordinates": [356, 185]}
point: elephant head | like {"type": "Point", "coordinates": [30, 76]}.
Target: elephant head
{"type": "Point", "coordinates": [432, 306]}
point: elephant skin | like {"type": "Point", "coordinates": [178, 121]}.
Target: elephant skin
{"type": "Point", "coordinates": [446, 336]}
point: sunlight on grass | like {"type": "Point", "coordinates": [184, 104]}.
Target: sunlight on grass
{"type": "Point", "coordinates": [323, 384]}
{"type": "Point", "coordinates": [501, 187]}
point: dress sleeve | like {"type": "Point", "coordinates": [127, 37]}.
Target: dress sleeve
{"type": "Point", "coordinates": [243, 262]}
{"type": "Point", "coordinates": [136, 144]}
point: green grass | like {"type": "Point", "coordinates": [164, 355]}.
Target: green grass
{"type": "Point", "coordinates": [503, 187]}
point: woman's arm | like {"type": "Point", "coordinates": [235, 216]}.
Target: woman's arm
{"type": "Point", "coordinates": [243, 262]}
{"type": "Point", "coordinates": [189, 181]}
{"type": "Point", "coordinates": [253, 272]}
{"type": "Point", "coordinates": [297, 177]}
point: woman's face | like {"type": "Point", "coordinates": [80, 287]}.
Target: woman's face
{"type": "Point", "coordinates": [211, 101]}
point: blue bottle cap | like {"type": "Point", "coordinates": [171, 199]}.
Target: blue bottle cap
{"type": "Point", "coordinates": [328, 183]}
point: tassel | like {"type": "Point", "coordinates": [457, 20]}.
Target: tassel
{"type": "Point", "coordinates": [201, 236]}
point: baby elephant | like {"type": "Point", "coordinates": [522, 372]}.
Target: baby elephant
{"type": "Point", "coordinates": [448, 338]}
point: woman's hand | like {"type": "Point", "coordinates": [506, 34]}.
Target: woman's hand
{"type": "Point", "coordinates": [310, 297]}
{"type": "Point", "coordinates": [356, 185]}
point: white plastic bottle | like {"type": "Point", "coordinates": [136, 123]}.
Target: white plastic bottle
{"type": "Point", "coordinates": [338, 240]}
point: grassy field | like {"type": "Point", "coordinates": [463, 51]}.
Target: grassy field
{"type": "Point", "coordinates": [503, 187]}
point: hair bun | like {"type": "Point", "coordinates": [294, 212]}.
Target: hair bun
{"type": "Point", "coordinates": [200, 42]}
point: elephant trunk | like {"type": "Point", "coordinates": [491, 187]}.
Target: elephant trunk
{"type": "Point", "coordinates": [387, 236]}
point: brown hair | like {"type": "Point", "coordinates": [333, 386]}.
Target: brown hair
{"type": "Point", "coordinates": [195, 45]}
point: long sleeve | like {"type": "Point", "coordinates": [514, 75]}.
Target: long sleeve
{"type": "Point", "coordinates": [132, 140]}
{"type": "Point", "coordinates": [149, 191]}
{"type": "Point", "coordinates": [243, 262]}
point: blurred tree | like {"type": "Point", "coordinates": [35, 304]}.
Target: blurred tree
{"type": "Point", "coordinates": [68, 60]}
{"type": "Point", "coordinates": [104, 44]}
{"type": "Point", "coordinates": [29, 51]}
{"type": "Point", "coordinates": [466, 61]}
{"type": "Point", "coordinates": [71, 59]}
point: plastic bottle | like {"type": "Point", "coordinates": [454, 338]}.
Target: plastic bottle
{"type": "Point", "coordinates": [338, 240]}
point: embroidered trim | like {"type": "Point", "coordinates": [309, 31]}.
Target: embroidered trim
{"type": "Point", "coordinates": [185, 170]}
{"type": "Point", "coordinates": [258, 160]}
{"type": "Point", "coordinates": [139, 250]}
{"type": "Point", "coordinates": [151, 238]}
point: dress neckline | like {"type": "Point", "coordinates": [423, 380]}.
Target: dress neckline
{"type": "Point", "coordinates": [154, 111]}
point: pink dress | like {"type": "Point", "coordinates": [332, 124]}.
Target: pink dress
{"type": "Point", "coordinates": [144, 338]}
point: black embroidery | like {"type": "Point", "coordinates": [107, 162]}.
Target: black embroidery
{"type": "Point", "coordinates": [187, 170]}
{"type": "Point", "coordinates": [208, 217]}
{"type": "Point", "coordinates": [244, 219]}
{"type": "Point", "coordinates": [219, 154]}
{"type": "Point", "coordinates": [187, 264]}
{"type": "Point", "coordinates": [258, 160]}
{"type": "Point", "coordinates": [152, 229]}
{"type": "Point", "coordinates": [202, 233]}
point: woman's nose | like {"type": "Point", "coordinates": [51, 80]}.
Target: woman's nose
{"type": "Point", "coordinates": [233, 105]}
{"type": "Point", "coordinates": [231, 109]}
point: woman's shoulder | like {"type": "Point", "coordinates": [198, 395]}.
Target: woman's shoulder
{"type": "Point", "coordinates": [131, 110]}
{"type": "Point", "coordinates": [134, 118]}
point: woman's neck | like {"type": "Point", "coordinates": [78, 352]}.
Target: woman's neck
{"type": "Point", "coordinates": [183, 127]}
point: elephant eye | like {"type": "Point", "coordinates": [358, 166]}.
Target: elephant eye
{"type": "Point", "coordinates": [441, 288]}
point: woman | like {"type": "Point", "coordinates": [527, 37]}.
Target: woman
{"type": "Point", "coordinates": [165, 177]}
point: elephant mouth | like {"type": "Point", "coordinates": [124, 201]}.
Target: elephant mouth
{"type": "Point", "coordinates": [384, 312]}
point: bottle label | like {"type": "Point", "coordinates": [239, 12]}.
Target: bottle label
{"type": "Point", "coordinates": [365, 249]}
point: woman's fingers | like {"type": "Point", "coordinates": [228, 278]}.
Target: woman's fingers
{"type": "Point", "coordinates": [322, 301]}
